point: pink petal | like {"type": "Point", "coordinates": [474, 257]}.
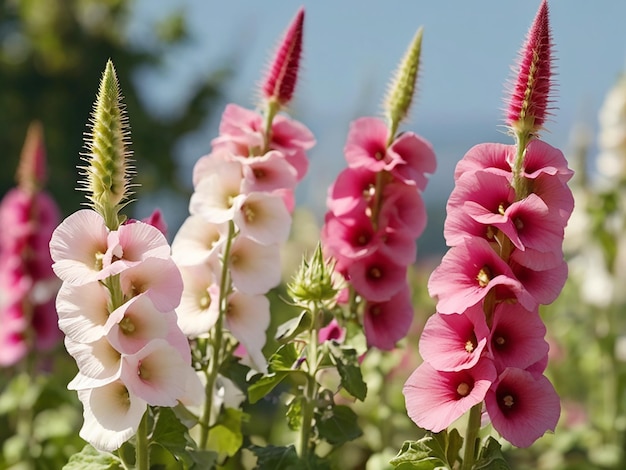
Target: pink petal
{"type": "Point", "coordinates": [159, 278]}
{"type": "Point", "coordinates": [376, 278]}
{"type": "Point", "coordinates": [418, 159]}
{"type": "Point", "coordinates": [198, 309]}
{"type": "Point", "coordinates": [366, 145]}
{"type": "Point", "coordinates": [387, 322]}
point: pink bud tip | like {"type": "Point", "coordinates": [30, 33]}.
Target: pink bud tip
{"type": "Point", "coordinates": [31, 172]}
{"type": "Point", "coordinates": [282, 75]}
{"type": "Point", "coordinates": [528, 104]}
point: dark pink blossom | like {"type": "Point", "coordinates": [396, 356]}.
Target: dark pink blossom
{"type": "Point", "coordinates": [522, 406]}
{"type": "Point", "coordinates": [386, 323]}
{"type": "Point", "coordinates": [376, 278]}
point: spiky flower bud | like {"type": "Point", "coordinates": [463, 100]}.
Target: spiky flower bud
{"type": "Point", "coordinates": [529, 100]}
{"type": "Point", "coordinates": [31, 173]}
{"type": "Point", "coordinates": [313, 282]}
{"type": "Point", "coordinates": [402, 86]}
{"type": "Point", "coordinates": [282, 75]}
{"type": "Point", "coordinates": [107, 175]}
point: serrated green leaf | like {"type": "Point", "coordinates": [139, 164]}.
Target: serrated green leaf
{"type": "Point", "coordinates": [293, 327]}
{"type": "Point", "coordinates": [337, 425]}
{"type": "Point", "coordinates": [491, 457]}
{"type": "Point", "coordinates": [418, 455]}
{"type": "Point", "coordinates": [264, 385]}
{"type": "Point", "coordinates": [235, 371]}
{"type": "Point", "coordinates": [92, 459]}
{"type": "Point", "coordinates": [455, 442]}
{"type": "Point", "coordinates": [169, 432]}
{"type": "Point", "coordinates": [346, 361]}
{"type": "Point", "coordinates": [276, 458]}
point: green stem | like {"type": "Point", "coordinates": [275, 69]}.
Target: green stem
{"type": "Point", "coordinates": [217, 339]}
{"type": "Point", "coordinates": [519, 182]}
{"type": "Point", "coordinates": [273, 107]}
{"type": "Point", "coordinates": [471, 437]}
{"type": "Point", "coordinates": [310, 393]}
{"type": "Point", "coordinates": [142, 456]}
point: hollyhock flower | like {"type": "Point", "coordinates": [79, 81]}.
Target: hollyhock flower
{"type": "Point", "coordinates": [266, 173]}
{"type": "Point", "coordinates": [215, 194]}
{"type": "Point", "coordinates": [403, 208]}
{"type": "Point", "coordinates": [157, 221]}
{"type": "Point", "coordinates": [330, 332]}
{"type": "Point", "coordinates": [522, 406]}
{"type": "Point", "coordinates": [14, 345]}
{"type": "Point", "coordinates": [468, 272]}
{"type": "Point", "coordinates": [99, 363]}
{"type": "Point", "coordinates": [454, 342]}
{"type": "Point", "coordinates": [517, 337]}
{"type": "Point", "coordinates": [158, 374]}
{"type": "Point", "coordinates": [135, 323]}
{"type": "Point", "coordinates": [376, 278]}
{"type": "Point", "coordinates": [197, 241]}
{"type": "Point", "coordinates": [159, 278]}
{"type": "Point", "coordinates": [199, 309]}
{"type": "Point", "coordinates": [351, 192]}
{"type": "Point", "coordinates": [263, 218]}
{"type": "Point", "coordinates": [241, 132]}
{"type": "Point", "coordinates": [543, 286]}
{"type": "Point", "coordinates": [435, 399]}
{"type": "Point", "coordinates": [83, 311]}
{"type": "Point", "coordinates": [409, 158]}
{"type": "Point", "coordinates": [254, 268]}
{"type": "Point", "coordinates": [111, 415]}
{"type": "Point", "coordinates": [387, 322]}
{"type": "Point", "coordinates": [247, 318]}
{"type": "Point", "coordinates": [556, 194]}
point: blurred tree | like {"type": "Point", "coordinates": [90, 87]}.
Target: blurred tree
{"type": "Point", "coordinates": [52, 54]}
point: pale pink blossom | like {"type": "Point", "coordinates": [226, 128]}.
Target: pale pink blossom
{"type": "Point", "coordinates": [199, 306]}
{"type": "Point", "coordinates": [267, 173]}
{"type": "Point", "coordinates": [263, 218]}
{"type": "Point", "coordinates": [198, 241]}
{"type": "Point", "coordinates": [254, 268]}
{"type": "Point", "coordinates": [435, 399]}
{"type": "Point", "coordinates": [215, 194]}
{"type": "Point", "coordinates": [159, 278]}
{"type": "Point", "coordinates": [247, 318]}
{"type": "Point", "coordinates": [111, 415]}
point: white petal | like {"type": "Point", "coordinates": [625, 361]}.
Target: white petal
{"type": "Point", "coordinates": [254, 268]}
{"type": "Point", "coordinates": [98, 363]}
{"type": "Point", "coordinates": [83, 311]}
{"type": "Point", "coordinates": [112, 415]}
{"type": "Point", "coordinates": [263, 218]}
{"type": "Point", "coordinates": [197, 241]}
{"type": "Point", "coordinates": [198, 309]}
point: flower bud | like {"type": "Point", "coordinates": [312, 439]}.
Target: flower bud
{"type": "Point", "coordinates": [314, 280]}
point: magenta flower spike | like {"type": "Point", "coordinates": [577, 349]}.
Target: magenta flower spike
{"type": "Point", "coordinates": [529, 101]}
{"type": "Point", "coordinates": [282, 75]}
{"type": "Point", "coordinates": [32, 172]}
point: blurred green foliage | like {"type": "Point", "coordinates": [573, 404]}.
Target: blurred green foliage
{"type": "Point", "coordinates": [52, 54]}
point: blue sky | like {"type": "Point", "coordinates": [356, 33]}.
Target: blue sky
{"type": "Point", "coordinates": [352, 46]}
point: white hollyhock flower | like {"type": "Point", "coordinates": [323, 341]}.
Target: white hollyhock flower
{"type": "Point", "coordinates": [254, 268]}
{"type": "Point", "coordinates": [263, 218]}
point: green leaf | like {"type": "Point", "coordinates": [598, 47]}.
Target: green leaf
{"type": "Point", "coordinates": [337, 425]}
{"type": "Point", "coordinates": [294, 413]}
{"type": "Point", "coordinates": [203, 459]}
{"type": "Point", "coordinates": [235, 371]}
{"type": "Point", "coordinates": [264, 385]}
{"type": "Point", "coordinates": [169, 432]}
{"type": "Point", "coordinates": [226, 436]}
{"type": "Point", "coordinates": [276, 458]}
{"type": "Point", "coordinates": [293, 327]}
{"type": "Point", "coordinates": [455, 442]}
{"type": "Point", "coordinates": [346, 361]}
{"type": "Point", "coordinates": [93, 460]}
{"type": "Point", "coordinates": [419, 455]}
{"type": "Point", "coordinates": [284, 358]}
{"type": "Point", "coordinates": [491, 457]}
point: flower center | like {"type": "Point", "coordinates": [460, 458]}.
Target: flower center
{"type": "Point", "coordinates": [143, 372]}
{"type": "Point", "coordinates": [469, 346]}
{"type": "Point", "coordinates": [98, 261]}
{"type": "Point", "coordinates": [379, 155]}
{"type": "Point", "coordinates": [248, 213]}
{"type": "Point", "coordinates": [500, 341]}
{"type": "Point", "coordinates": [508, 401]}
{"type": "Point", "coordinates": [519, 223]}
{"type": "Point", "coordinates": [484, 276]}
{"type": "Point", "coordinates": [205, 302]}
{"type": "Point", "coordinates": [463, 389]}
{"type": "Point", "coordinates": [127, 326]}
{"type": "Point", "coordinates": [375, 273]}
{"type": "Point", "coordinates": [258, 173]}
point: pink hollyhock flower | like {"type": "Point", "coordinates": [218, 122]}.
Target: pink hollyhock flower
{"type": "Point", "coordinates": [351, 192]}
{"type": "Point", "coordinates": [254, 268]}
{"type": "Point", "coordinates": [543, 286]}
{"type": "Point", "coordinates": [247, 318]}
{"type": "Point", "coordinates": [403, 208]}
{"type": "Point", "coordinates": [159, 278]}
{"type": "Point", "coordinates": [13, 346]}
{"type": "Point", "coordinates": [409, 158]}
{"type": "Point", "coordinates": [99, 363]}
{"type": "Point", "coordinates": [454, 342]}
{"type": "Point", "coordinates": [111, 415]}
{"type": "Point", "coordinates": [83, 311]}
{"type": "Point", "coordinates": [199, 305]}
{"type": "Point", "coordinates": [198, 241]}
{"type": "Point", "coordinates": [135, 323]}
{"type": "Point", "coordinates": [263, 218]}
{"type": "Point", "coordinates": [468, 272]}
{"type": "Point", "coordinates": [131, 244]}
{"type": "Point", "coordinates": [556, 194]}
{"type": "Point", "coordinates": [435, 399]}
{"type": "Point", "coordinates": [215, 194]}
{"type": "Point", "coordinates": [266, 173]}
{"type": "Point", "coordinates": [241, 132]}
{"type": "Point", "coordinates": [532, 82]}
{"type": "Point", "coordinates": [541, 157]}
{"type": "Point", "coordinates": [517, 337]}
{"type": "Point", "coordinates": [282, 75]}
{"type": "Point", "coordinates": [157, 221]}
{"type": "Point", "coordinates": [522, 406]}
{"type": "Point", "coordinates": [376, 278]}
{"type": "Point", "coordinates": [158, 374]}
{"type": "Point", "coordinates": [332, 331]}
{"type": "Point", "coordinates": [387, 322]}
